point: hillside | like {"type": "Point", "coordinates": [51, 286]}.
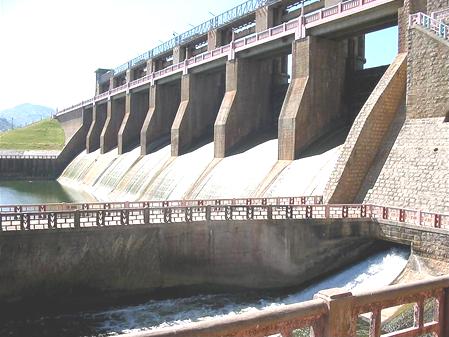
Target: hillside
{"type": "Point", "coordinates": [43, 135]}
{"type": "Point", "coordinates": [25, 114]}
{"type": "Point", "coordinates": [4, 125]}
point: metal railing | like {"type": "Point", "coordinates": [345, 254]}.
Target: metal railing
{"type": "Point", "coordinates": [296, 26]}
{"type": "Point", "coordinates": [436, 26]}
{"type": "Point", "coordinates": [219, 21]}
{"type": "Point", "coordinates": [332, 313]}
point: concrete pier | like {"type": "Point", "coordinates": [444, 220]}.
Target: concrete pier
{"type": "Point", "coordinates": [136, 108]}
{"type": "Point", "coordinates": [98, 120]}
{"type": "Point", "coordinates": [164, 102]}
{"type": "Point", "coordinates": [246, 106]}
{"type": "Point", "coordinates": [201, 96]}
{"type": "Point", "coordinates": [115, 115]}
{"type": "Point", "coordinates": [313, 104]}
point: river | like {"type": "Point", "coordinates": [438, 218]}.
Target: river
{"type": "Point", "coordinates": [37, 192]}
{"type": "Point", "coordinates": [377, 270]}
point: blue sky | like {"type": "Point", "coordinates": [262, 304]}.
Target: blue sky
{"type": "Point", "coordinates": [49, 49]}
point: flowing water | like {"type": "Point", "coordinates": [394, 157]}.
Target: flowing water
{"type": "Point", "coordinates": [378, 270]}
{"type": "Point", "coordinates": [252, 172]}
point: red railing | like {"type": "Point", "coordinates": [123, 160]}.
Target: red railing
{"type": "Point", "coordinates": [332, 313]}
{"type": "Point", "coordinates": [296, 26]}
{"type": "Point", "coordinates": [281, 201]}
{"type": "Point", "coordinates": [144, 213]}
{"type": "Point", "coordinates": [18, 156]}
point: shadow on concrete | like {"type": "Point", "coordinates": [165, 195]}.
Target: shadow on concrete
{"type": "Point", "coordinates": [328, 142]}
{"type": "Point", "coordinates": [253, 140]}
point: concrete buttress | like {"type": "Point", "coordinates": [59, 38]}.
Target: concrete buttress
{"type": "Point", "coordinates": [313, 104]}
{"type": "Point", "coordinates": [98, 120]}
{"type": "Point", "coordinates": [136, 107]}
{"type": "Point", "coordinates": [201, 95]}
{"type": "Point", "coordinates": [115, 114]}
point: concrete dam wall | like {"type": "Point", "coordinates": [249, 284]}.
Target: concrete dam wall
{"type": "Point", "coordinates": [86, 264]}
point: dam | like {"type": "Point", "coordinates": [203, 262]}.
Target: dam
{"type": "Point", "coordinates": [254, 152]}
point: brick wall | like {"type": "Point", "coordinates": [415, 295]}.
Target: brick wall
{"type": "Point", "coordinates": [416, 173]}
{"type": "Point", "coordinates": [428, 75]}
{"type": "Point", "coordinates": [367, 134]}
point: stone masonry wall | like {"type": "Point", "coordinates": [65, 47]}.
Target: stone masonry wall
{"type": "Point", "coordinates": [416, 173]}
{"type": "Point", "coordinates": [426, 242]}
{"type": "Point", "coordinates": [436, 5]}
{"type": "Point", "coordinates": [428, 75]}
{"type": "Point", "coordinates": [367, 134]}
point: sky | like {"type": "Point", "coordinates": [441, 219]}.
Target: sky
{"type": "Point", "coordinates": [50, 49]}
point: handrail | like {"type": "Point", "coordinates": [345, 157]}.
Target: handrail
{"type": "Point", "coordinates": [22, 218]}
{"type": "Point", "coordinates": [436, 26]}
{"type": "Point", "coordinates": [301, 200]}
{"type": "Point", "coordinates": [17, 156]}
{"type": "Point", "coordinates": [332, 312]}
{"type": "Point", "coordinates": [292, 27]}
{"type": "Point", "coordinates": [441, 14]}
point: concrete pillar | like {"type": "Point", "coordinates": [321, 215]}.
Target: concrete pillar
{"type": "Point", "coordinates": [136, 108]}
{"type": "Point", "coordinates": [98, 73]}
{"type": "Point", "coordinates": [313, 103]}
{"type": "Point", "coordinates": [115, 114]}
{"type": "Point", "coordinates": [98, 120]}
{"type": "Point", "coordinates": [356, 53]}
{"type": "Point", "coordinates": [129, 75]}
{"type": "Point", "coordinates": [340, 320]}
{"type": "Point", "coordinates": [179, 54]}
{"type": "Point", "coordinates": [163, 104]}
{"type": "Point", "coordinates": [246, 107]}
{"type": "Point", "coordinates": [201, 96]}
{"type": "Point", "coordinates": [151, 66]}
{"type": "Point", "coordinates": [264, 18]}
{"type": "Point", "coordinates": [214, 39]}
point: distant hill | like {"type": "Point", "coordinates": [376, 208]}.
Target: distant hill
{"type": "Point", "coordinates": [25, 114]}
{"type": "Point", "coordinates": [4, 124]}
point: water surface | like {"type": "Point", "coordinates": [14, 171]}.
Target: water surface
{"type": "Point", "coordinates": [39, 192]}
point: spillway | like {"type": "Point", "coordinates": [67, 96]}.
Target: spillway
{"type": "Point", "coordinates": [253, 172]}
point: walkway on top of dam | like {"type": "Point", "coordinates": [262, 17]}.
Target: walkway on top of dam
{"type": "Point", "coordinates": [337, 19]}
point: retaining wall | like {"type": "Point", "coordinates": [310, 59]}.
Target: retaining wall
{"type": "Point", "coordinates": [91, 263]}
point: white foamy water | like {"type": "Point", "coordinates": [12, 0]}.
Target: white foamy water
{"type": "Point", "coordinates": [176, 179]}
{"type": "Point", "coordinates": [238, 176]}
{"type": "Point", "coordinates": [378, 270]}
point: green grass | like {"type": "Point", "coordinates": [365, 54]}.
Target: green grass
{"type": "Point", "coordinates": [43, 135]}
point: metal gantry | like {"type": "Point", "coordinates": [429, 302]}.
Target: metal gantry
{"type": "Point", "coordinates": [219, 21]}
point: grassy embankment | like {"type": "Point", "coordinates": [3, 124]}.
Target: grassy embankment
{"type": "Point", "coordinates": [43, 135]}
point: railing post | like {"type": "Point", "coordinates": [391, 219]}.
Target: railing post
{"type": "Point", "coordinates": [443, 309]}
{"type": "Point", "coordinates": [208, 211]}
{"type": "Point", "coordinates": [146, 214]}
{"type": "Point", "coordinates": [76, 220]}
{"type": "Point", "coordinates": [1, 220]}
{"type": "Point", "coordinates": [375, 323]}
{"type": "Point", "coordinates": [340, 320]}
